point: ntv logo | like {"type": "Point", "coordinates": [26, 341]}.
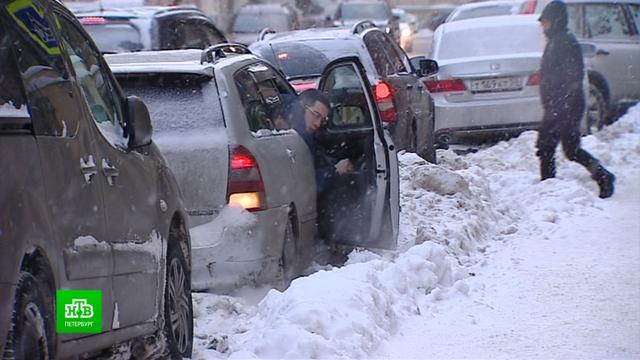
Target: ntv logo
{"type": "Point", "coordinates": [79, 308]}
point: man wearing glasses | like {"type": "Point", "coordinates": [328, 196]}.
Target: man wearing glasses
{"type": "Point", "coordinates": [307, 120]}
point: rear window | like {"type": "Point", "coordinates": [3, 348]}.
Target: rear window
{"type": "Point", "coordinates": [177, 103]}
{"type": "Point", "coordinates": [115, 37]}
{"type": "Point", "coordinates": [357, 11]}
{"type": "Point", "coordinates": [483, 11]}
{"type": "Point", "coordinates": [308, 59]}
{"type": "Point", "coordinates": [490, 41]}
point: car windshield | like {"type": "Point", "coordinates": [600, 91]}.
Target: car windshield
{"type": "Point", "coordinates": [496, 40]}
{"type": "Point", "coordinates": [356, 11]}
{"type": "Point", "coordinates": [115, 37]}
{"type": "Point", "coordinates": [255, 22]}
{"type": "Point", "coordinates": [177, 103]}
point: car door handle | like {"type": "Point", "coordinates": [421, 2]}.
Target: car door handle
{"type": "Point", "coordinates": [109, 171]}
{"type": "Point", "coordinates": [602, 52]}
{"type": "Point", "coordinates": [292, 155]}
{"type": "Point", "coordinates": [409, 86]}
{"type": "Point", "coordinates": [88, 168]}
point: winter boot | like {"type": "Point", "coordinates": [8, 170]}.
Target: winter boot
{"type": "Point", "coordinates": [605, 181]}
{"type": "Point", "coordinates": [547, 168]}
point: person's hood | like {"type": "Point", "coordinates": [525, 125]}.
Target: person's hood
{"type": "Point", "coordinates": [556, 13]}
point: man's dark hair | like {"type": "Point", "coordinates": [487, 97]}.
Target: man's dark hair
{"type": "Point", "coordinates": [310, 96]}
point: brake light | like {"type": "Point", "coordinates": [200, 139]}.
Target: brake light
{"type": "Point", "coordinates": [437, 86]}
{"type": "Point", "coordinates": [93, 20]}
{"type": "Point", "coordinates": [303, 85]}
{"type": "Point", "coordinates": [528, 7]}
{"type": "Point", "coordinates": [384, 100]}
{"type": "Point", "coordinates": [534, 79]}
{"type": "Point", "coordinates": [245, 187]}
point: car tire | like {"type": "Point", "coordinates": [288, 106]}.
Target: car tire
{"type": "Point", "coordinates": [288, 259]}
{"type": "Point", "coordinates": [31, 331]}
{"type": "Point", "coordinates": [596, 112]}
{"type": "Point", "coordinates": [178, 307]}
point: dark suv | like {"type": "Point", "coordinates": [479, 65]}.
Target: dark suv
{"type": "Point", "coordinates": [403, 101]}
{"type": "Point", "coordinates": [92, 227]}
{"type": "Point", "coordinates": [150, 28]}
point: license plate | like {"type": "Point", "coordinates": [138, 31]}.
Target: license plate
{"type": "Point", "coordinates": [496, 84]}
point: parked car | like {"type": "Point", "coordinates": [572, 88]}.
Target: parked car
{"type": "Point", "coordinates": [429, 18]}
{"type": "Point", "coordinates": [401, 95]}
{"type": "Point", "coordinates": [238, 149]}
{"type": "Point", "coordinates": [408, 24]}
{"type": "Point", "coordinates": [485, 8]}
{"type": "Point", "coordinates": [315, 13]}
{"type": "Point", "coordinates": [249, 21]}
{"type": "Point", "coordinates": [350, 12]}
{"type": "Point", "coordinates": [488, 83]}
{"type": "Point", "coordinates": [150, 28]}
{"type": "Point", "coordinates": [614, 72]}
{"type": "Point", "coordinates": [88, 203]}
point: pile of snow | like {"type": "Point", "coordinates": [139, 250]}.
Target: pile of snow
{"type": "Point", "coordinates": [452, 215]}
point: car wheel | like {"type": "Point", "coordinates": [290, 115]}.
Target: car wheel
{"type": "Point", "coordinates": [31, 334]}
{"type": "Point", "coordinates": [178, 308]}
{"type": "Point", "coordinates": [596, 114]}
{"type": "Point", "coordinates": [288, 260]}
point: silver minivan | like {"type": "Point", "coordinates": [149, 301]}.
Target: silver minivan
{"type": "Point", "coordinates": [218, 119]}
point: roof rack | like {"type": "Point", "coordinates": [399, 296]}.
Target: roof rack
{"type": "Point", "coordinates": [215, 52]}
{"type": "Point", "coordinates": [361, 26]}
{"type": "Point", "coordinates": [266, 31]}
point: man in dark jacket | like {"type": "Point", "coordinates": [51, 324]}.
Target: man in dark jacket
{"type": "Point", "coordinates": [561, 90]}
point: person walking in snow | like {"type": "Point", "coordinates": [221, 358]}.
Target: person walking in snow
{"type": "Point", "coordinates": [563, 100]}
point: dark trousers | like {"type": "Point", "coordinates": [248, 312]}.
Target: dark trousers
{"type": "Point", "coordinates": [557, 127]}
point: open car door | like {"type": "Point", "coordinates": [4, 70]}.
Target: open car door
{"type": "Point", "coordinates": [359, 208]}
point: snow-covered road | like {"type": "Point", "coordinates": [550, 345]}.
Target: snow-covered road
{"type": "Point", "coordinates": [491, 263]}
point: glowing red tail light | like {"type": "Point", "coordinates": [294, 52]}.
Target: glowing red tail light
{"type": "Point", "coordinates": [528, 7]}
{"type": "Point", "coordinates": [93, 20]}
{"type": "Point", "coordinates": [534, 79]}
{"type": "Point", "coordinates": [245, 187]}
{"type": "Point", "coordinates": [384, 99]}
{"type": "Point", "coordinates": [437, 86]}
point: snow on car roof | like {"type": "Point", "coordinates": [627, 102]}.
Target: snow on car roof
{"type": "Point", "coordinates": [491, 21]}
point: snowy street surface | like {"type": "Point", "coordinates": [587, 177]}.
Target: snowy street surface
{"type": "Point", "coordinates": [491, 263]}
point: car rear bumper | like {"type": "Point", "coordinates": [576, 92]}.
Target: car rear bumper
{"type": "Point", "coordinates": [241, 255]}
{"type": "Point", "coordinates": [454, 122]}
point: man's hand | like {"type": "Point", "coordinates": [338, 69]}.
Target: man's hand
{"type": "Point", "coordinates": [344, 166]}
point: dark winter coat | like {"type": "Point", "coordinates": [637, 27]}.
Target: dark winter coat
{"type": "Point", "coordinates": [562, 69]}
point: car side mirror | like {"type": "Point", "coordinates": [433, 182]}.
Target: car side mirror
{"type": "Point", "coordinates": [138, 123]}
{"type": "Point", "coordinates": [424, 67]}
{"type": "Point", "coordinates": [589, 50]}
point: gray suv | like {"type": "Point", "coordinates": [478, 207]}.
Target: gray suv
{"type": "Point", "coordinates": [87, 202]}
{"type": "Point", "coordinates": [405, 106]}
{"type": "Point", "coordinates": [221, 118]}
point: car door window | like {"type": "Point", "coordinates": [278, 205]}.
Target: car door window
{"type": "Point", "coordinates": [349, 106]}
{"type": "Point", "coordinates": [30, 42]}
{"type": "Point", "coordinates": [574, 12]}
{"type": "Point", "coordinates": [399, 62]}
{"type": "Point", "coordinates": [95, 82]}
{"type": "Point", "coordinates": [377, 51]}
{"type": "Point", "coordinates": [635, 14]}
{"type": "Point", "coordinates": [606, 21]}
{"type": "Point", "coordinates": [213, 35]}
{"type": "Point", "coordinates": [265, 101]}
{"type": "Point", "coordinates": [13, 103]}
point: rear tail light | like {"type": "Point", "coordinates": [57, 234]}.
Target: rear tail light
{"type": "Point", "coordinates": [93, 20]}
{"type": "Point", "coordinates": [528, 7]}
{"type": "Point", "coordinates": [534, 79]}
{"type": "Point", "coordinates": [437, 86]}
{"type": "Point", "coordinates": [384, 100]}
{"type": "Point", "coordinates": [245, 187]}
{"type": "Point", "coordinates": [303, 85]}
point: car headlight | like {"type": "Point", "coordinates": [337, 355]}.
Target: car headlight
{"type": "Point", "coordinates": [406, 32]}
